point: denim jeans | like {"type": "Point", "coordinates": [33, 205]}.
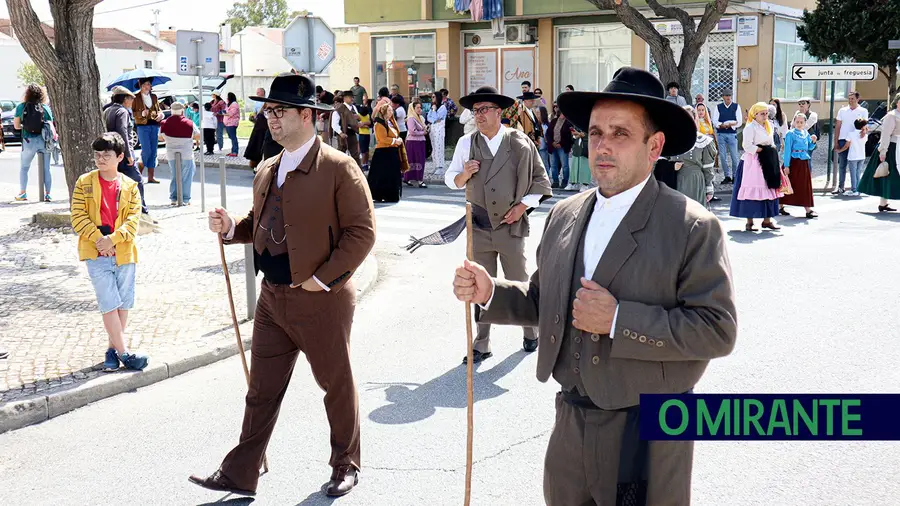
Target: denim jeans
{"type": "Point", "coordinates": [545, 158]}
{"type": "Point", "coordinates": [232, 134]}
{"type": "Point", "coordinates": [559, 157]}
{"type": "Point", "coordinates": [148, 136]}
{"type": "Point", "coordinates": [187, 176]}
{"type": "Point", "coordinates": [842, 163]}
{"type": "Point", "coordinates": [132, 172]}
{"type": "Point", "coordinates": [856, 167]}
{"type": "Point", "coordinates": [31, 146]}
{"type": "Point", "coordinates": [220, 134]}
{"type": "Point", "coordinates": [728, 145]}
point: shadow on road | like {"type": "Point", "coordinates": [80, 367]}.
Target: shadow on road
{"type": "Point", "coordinates": [234, 501]}
{"type": "Point", "coordinates": [409, 405]}
{"type": "Point", "coordinates": [744, 237]}
{"type": "Point", "coordinates": [881, 216]}
{"type": "Point", "coordinates": [317, 499]}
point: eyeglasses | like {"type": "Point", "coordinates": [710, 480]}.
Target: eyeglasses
{"type": "Point", "coordinates": [484, 110]}
{"type": "Point", "coordinates": [103, 157]}
{"type": "Point", "coordinates": [278, 112]}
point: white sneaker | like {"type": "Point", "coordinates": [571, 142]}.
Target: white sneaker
{"type": "Point", "coordinates": [570, 188]}
{"type": "Point", "coordinates": [852, 194]}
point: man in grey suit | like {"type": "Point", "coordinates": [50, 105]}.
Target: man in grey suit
{"type": "Point", "coordinates": [633, 294]}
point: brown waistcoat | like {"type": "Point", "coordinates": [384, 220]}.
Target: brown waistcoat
{"type": "Point", "coordinates": [274, 238]}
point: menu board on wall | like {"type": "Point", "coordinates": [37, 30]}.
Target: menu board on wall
{"type": "Point", "coordinates": [518, 66]}
{"type": "Point", "coordinates": [481, 69]}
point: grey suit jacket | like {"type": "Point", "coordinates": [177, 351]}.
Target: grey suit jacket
{"type": "Point", "coordinates": [667, 266]}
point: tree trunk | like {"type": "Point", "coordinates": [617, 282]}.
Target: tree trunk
{"type": "Point", "coordinates": [70, 71]}
{"type": "Point", "coordinates": [893, 85]}
{"type": "Point", "coordinates": [694, 36]}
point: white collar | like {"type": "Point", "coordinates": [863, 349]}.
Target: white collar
{"type": "Point", "coordinates": [300, 153]}
{"type": "Point", "coordinates": [622, 200]}
{"type": "Point", "coordinates": [703, 140]}
{"type": "Point", "coordinates": [499, 135]}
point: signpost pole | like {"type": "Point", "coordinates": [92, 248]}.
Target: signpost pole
{"type": "Point", "coordinates": [831, 154]}
{"type": "Point", "coordinates": [198, 42]}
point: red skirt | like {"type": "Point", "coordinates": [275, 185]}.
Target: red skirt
{"type": "Point", "coordinates": [801, 181]}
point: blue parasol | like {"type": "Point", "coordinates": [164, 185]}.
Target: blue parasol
{"type": "Point", "coordinates": [130, 79]}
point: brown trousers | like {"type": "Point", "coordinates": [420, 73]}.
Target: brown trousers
{"type": "Point", "coordinates": [289, 321]}
{"type": "Point", "coordinates": [582, 463]}
{"type": "Point", "coordinates": [489, 245]}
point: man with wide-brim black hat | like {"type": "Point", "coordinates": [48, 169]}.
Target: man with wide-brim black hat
{"type": "Point", "coordinates": [504, 178]}
{"type": "Point", "coordinates": [311, 226]}
{"type": "Point", "coordinates": [632, 295]}
{"type": "Point", "coordinates": [528, 122]}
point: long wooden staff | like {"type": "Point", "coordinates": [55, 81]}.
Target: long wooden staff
{"type": "Point", "coordinates": [237, 330]}
{"type": "Point", "coordinates": [470, 253]}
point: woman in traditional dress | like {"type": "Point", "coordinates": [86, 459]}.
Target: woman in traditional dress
{"type": "Point", "coordinates": [415, 146]}
{"type": "Point", "coordinates": [798, 148]}
{"type": "Point", "coordinates": [751, 197]}
{"type": "Point", "coordinates": [887, 187]}
{"type": "Point", "coordinates": [580, 176]}
{"type": "Point", "coordinates": [694, 169]}
{"type": "Point", "coordinates": [437, 116]}
{"type": "Point", "coordinates": [384, 173]}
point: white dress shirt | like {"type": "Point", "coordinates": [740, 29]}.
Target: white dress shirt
{"type": "Point", "coordinates": [715, 117]}
{"type": "Point", "coordinates": [607, 216]}
{"type": "Point", "coordinates": [461, 156]}
{"type": "Point", "coordinates": [290, 160]}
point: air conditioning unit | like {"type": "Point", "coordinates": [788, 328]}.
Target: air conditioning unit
{"type": "Point", "coordinates": [518, 34]}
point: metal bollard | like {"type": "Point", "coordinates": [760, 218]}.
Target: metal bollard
{"type": "Point", "coordinates": [222, 183]}
{"type": "Point", "coordinates": [250, 273]}
{"type": "Point", "coordinates": [41, 183]}
{"type": "Point", "coordinates": [176, 173]}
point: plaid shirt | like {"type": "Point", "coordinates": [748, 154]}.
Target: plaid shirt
{"type": "Point", "coordinates": [451, 107]}
{"type": "Point", "coordinates": [511, 113]}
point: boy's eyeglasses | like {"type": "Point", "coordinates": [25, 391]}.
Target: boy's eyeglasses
{"type": "Point", "coordinates": [103, 157]}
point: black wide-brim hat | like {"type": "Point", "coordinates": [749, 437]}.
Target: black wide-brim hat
{"type": "Point", "coordinates": [486, 94]}
{"type": "Point", "coordinates": [640, 87]}
{"type": "Point", "coordinates": [295, 91]}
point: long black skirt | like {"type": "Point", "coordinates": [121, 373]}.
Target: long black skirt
{"type": "Point", "coordinates": [385, 180]}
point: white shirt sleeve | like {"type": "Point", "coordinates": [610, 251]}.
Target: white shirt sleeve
{"type": "Point", "coordinates": [750, 138]}
{"type": "Point", "coordinates": [612, 328]}
{"type": "Point", "coordinates": [460, 157]}
{"type": "Point", "coordinates": [336, 122]}
{"type": "Point", "coordinates": [230, 235]}
{"type": "Point", "coordinates": [714, 115]}
{"type": "Point", "coordinates": [740, 117]}
{"type": "Point", "coordinates": [533, 200]}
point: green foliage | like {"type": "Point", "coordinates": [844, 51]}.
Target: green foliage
{"type": "Point", "coordinates": [268, 13]}
{"type": "Point", "coordinates": [30, 73]}
{"type": "Point", "coordinates": [853, 30]}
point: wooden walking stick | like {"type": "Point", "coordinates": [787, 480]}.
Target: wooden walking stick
{"type": "Point", "coordinates": [237, 330]}
{"type": "Point", "coordinates": [470, 254]}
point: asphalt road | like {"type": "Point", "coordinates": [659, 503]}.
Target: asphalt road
{"type": "Point", "coordinates": [815, 315]}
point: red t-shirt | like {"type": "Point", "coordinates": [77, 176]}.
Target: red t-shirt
{"type": "Point", "coordinates": [109, 206]}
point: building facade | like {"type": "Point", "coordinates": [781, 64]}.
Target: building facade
{"type": "Point", "coordinates": [421, 45]}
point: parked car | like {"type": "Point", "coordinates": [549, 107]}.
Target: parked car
{"type": "Point", "coordinates": [7, 113]}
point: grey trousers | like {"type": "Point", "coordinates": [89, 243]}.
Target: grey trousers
{"type": "Point", "coordinates": [489, 245]}
{"type": "Point", "coordinates": [582, 463]}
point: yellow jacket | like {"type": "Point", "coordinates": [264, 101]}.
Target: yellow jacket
{"type": "Point", "coordinates": [86, 217]}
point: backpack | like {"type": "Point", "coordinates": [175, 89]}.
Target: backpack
{"type": "Point", "coordinates": [33, 118]}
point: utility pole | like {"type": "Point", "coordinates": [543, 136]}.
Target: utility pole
{"type": "Point", "coordinates": [243, 94]}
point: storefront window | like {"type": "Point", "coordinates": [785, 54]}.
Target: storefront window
{"type": "Point", "coordinates": [407, 61]}
{"type": "Point", "coordinates": [788, 51]}
{"type": "Point", "coordinates": [588, 56]}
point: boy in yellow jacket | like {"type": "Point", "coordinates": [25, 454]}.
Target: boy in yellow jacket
{"type": "Point", "coordinates": [106, 208]}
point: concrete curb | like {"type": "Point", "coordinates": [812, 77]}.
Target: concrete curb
{"type": "Point", "coordinates": [22, 413]}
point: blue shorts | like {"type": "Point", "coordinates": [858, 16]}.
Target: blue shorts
{"type": "Point", "coordinates": [113, 284]}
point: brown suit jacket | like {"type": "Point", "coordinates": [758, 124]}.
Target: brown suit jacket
{"type": "Point", "coordinates": [329, 217]}
{"type": "Point", "coordinates": [667, 266]}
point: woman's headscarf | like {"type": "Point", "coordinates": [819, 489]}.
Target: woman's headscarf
{"type": "Point", "coordinates": [415, 115]}
{"type": "Point", "coordinates": [756, 109]}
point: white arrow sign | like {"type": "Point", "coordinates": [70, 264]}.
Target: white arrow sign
{"type": "Point", "coordinates": [837, 72]}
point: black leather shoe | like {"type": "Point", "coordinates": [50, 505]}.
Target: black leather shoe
{"type": "Point", "coordinates": [477, 357]}
{"type": "Point", "coordinates": [343, 479]}
{"type": "Point", "coordinates": [220, 483]}
{"type": "Point", "coordinates": [529, 345]}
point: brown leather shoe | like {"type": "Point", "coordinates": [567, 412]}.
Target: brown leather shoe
{"type": "Point", "coordinates": [343, 479]}
{"type": "Point", "coordinates": [220, 483]}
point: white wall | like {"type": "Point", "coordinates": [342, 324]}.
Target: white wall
{"type": "Point", "coordinates": [262, 56]}
{"type": "Point", "coordinates": [13, 56]}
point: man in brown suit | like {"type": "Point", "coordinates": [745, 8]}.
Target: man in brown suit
{"type": "Point", "coordinates": [312, 224]}
{"type": "Point", "coordinates": [348, 128]}
{"type": "Point", "coordinates": [528, 121]}
{"type": "Point", "coordinates": [504, 178]}
{"type": "Point", "coordinates": [632, 295]}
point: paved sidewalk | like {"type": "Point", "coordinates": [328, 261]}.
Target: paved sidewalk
{"type": "Point", "coordinates": [49, 320]}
